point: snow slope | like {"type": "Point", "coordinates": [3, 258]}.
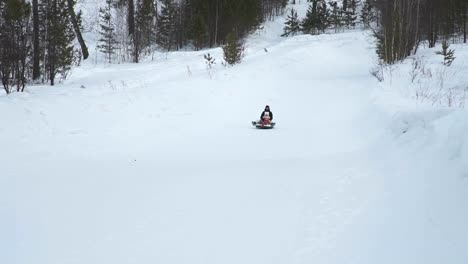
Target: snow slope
{"type": "Point", "coordinates": [158, 163]}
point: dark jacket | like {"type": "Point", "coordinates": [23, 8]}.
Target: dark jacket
{"type": "Point", "coordinates": [263, 114]}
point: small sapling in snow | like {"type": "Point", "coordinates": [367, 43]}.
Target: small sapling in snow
{"type": "Point", "coordinates": [447, 53]}
{"type": "Point", "coordinates": [209, 60]}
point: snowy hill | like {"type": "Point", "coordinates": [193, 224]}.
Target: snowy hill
{"type": "Point", "coordinates": [158, 162]}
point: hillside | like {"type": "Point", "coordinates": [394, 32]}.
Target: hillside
{"type": "Point", "coordinates": [157, 162]}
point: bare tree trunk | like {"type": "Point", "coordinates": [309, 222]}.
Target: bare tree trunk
{"type": "Point", "coordinates": [394, 31]}
{"type": "Point", "coordinates": [131, 29]}
{"type": "Point", "coordinates": [77, 29]}
{"type": "Point", "coordinates": [131, 17]}
{"type": "Point", "coordinates": [36, 48]}
{"type": "Point", "coordinates": [52, 44]}
{"type": "Point", "coordinates": [464, 32]}
{"type": "Point", "coordinates": [465, 18]}
{"type": "Point", "coordinates": [417, 38]}
{"type": "Point", "coordinates": [216, 25]}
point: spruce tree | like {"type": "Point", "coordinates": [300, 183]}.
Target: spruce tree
{"type": "Point", "coordinates": [292, 24]}
{"type": "Point", "coordinates": [108, 39]}
{"type": "Point", "coordinates": [309, 23]}
{"type": "Point", "coordinates": [350, 14]}
{"type": "Point", "coordinates": [335, 15]}
{"type": "Point", "coordinates": [144, 25]}
{"type": "Point", "coordinates": [233, 50]}
{"type": "Point", "coordinates": [345, 5]}
{"type": "Point", "coordinates": [367, 14]}
{"type": "Point", "coordinates": [166, 25]}
{"type": "Point", "coordinates": [58, 40]}
{"type": "Point", "coordinates": [15, 44]}
{"type": "Point", "coordinates": [323, 16]}
{"type": "Point", "coordinates": [199, 32]}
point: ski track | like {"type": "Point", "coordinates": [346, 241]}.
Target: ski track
{"type": "Point", "coordinates": [152, 164]}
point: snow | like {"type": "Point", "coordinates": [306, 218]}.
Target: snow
{"type": "Point", "coordinates": [158, 162]}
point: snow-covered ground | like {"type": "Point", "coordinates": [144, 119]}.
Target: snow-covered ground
{"type": "Point", "coordinates": [158, 163]}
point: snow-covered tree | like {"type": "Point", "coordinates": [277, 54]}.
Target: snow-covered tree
{"type": "Point", "coordinates": [335, 15]}
{"type": "Point", "coordinates": [323, 16]}
{"type": "Point", "coordinates": [367, 13]}
{"type": "Point", "coordinates": [350, 13]}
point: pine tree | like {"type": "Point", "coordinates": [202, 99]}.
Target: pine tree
{"type": "Point", "coordinates": [367, 13]}
{"type": "Point", "coordinates": [233, 50]}
{"type": "Point", "coordinates": [292, 24]}
{"type": "Point", "coordinates": [15, 44]}
{"type": "Point", "coordinates": [58, 39]}
{"type": "Point", "coordinates": [350, 14]}
{"type": "Point", "coordinates": [199, 32]}
{"type": "Point", "coordinates": [335, 15]}
{"type": "Point", "coordinates": [345, 5]}
{"type": "Point", "coordinates": [309, 23]}
{"type": "Point", "coordinates": [167, 25]}
{"type": "Point", "coordinates": [108, 40]}
{"type": "Point", "coordinates": [145, 24]}
{"type": "Point", "coordinates": [323, 16]}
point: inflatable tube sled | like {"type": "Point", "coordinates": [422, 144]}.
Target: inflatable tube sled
{"type": "Point", "coordinates": [259, 125]}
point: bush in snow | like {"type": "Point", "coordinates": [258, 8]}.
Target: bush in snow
{"type": "Point", "coordinates": [428, 83]}
{"type": "Point", "coordinates": [419, 69]}
{"type": "Point", "coordinates": [378, 71]}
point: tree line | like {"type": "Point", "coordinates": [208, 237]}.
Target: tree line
{"type": "Point", "coordinates": [324, 15]}
{"type": "Point", "coordinates": [37, 37]}
{"type": "Point", "coordinates": [405, 24]}
{"type": "Point", "coordinates": [36, 41]}
{"type": "Point", "coordinates": [400, 26]}
{"type": "Point", "coordinates": [171, 25]}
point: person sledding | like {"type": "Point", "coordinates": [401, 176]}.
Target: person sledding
{"type": "Point", "coordinates": [266, 119]}
{"type": "Point", "coordinates": [267, 116]}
